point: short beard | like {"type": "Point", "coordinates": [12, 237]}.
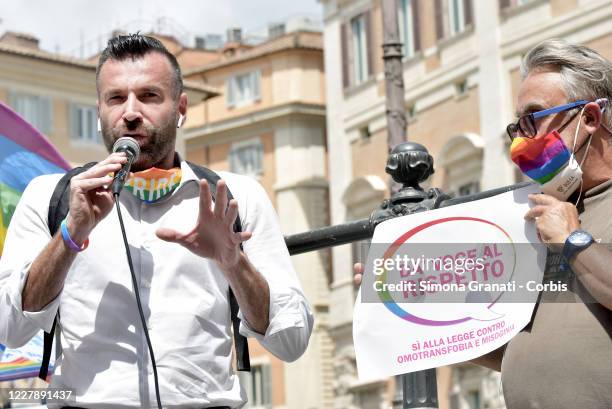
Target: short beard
{"type": "Point", "coordinates": [159, 144]}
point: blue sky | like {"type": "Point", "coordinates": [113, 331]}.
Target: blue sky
{"type": "Point", "coordinates": [63, 25]}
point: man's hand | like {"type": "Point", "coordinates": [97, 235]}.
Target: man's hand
{"type": "Point", "coordinates": [554, 219]}
{"type": "Point", "coordinates": [358, 269]}
{"type": "Point", "coordinates": [91, 199]}
{"type": "Point", "coordinates": [213, 236]}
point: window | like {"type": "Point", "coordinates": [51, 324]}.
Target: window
{"type": "Point", "coordinates": [360, 49]}
{"type": "Point", "coordinates": [412, 113]}
{"type": "Point", "coordinates": [84, 126]}
{"type": "Point", "coordinates": [243, 89]}
{"type": "Point", "coordinates": [407, 27]}
{"type": "Point", "coordinates": [456, 16]}
{"type": "Point", "coordinates": [364, 132]}
{"type": "Point", "coordinates": [36, 110]}
{"type": "Point", "coordinates": [462, 88]}
{"type": "Point", "coordinates": [452, 17]}
{"type": "Point", "coordinates": [356, 47]}
{"type": "Point", "coordinates": [473, 399]}
{"type": "Point", "coordinates": [258, 386]}
{"type": "Point", "coordinates": [468, 189]}
{"type": "Point", "coordinates": [246, 158]}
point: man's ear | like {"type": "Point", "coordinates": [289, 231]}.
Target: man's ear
{"type": "Point", "coordinates": [592, 117]}
{"type": "Point", "coordinates": [182, 110]}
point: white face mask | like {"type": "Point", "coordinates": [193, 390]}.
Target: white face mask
{"type": "Point", "coordinates": [565, 182]}
{"type": "Point", "coordinates": [570, 177]}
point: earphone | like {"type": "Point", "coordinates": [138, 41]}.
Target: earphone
{"type": "Point", "coordinates": [99, 125]}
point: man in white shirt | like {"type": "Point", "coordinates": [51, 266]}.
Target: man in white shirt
{"type": "Point", "coordinates": [185, 255]}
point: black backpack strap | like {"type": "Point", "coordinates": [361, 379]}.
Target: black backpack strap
{"type": "Point", "coordinates": [47, 346]}
{"type": "Point", "coordinates": [58, 210]}
{"type": "Point", "coordinates": [243, 362]}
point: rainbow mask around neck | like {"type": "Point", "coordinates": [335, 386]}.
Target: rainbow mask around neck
{"type": "Point", "coordinates": [153, 184]}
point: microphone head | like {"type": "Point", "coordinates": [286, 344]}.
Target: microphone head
{"type": "Point", "coordinates": [128, 145]}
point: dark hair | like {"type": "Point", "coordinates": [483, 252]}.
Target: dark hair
{"type": "Point", "coordinates": [137, 45]}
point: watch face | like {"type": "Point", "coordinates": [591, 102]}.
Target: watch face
{"type": "Point", "coordinates": [580, 238]}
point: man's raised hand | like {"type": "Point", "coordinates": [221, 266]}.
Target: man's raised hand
{"type": "Point", "coordinates": [213, 236]}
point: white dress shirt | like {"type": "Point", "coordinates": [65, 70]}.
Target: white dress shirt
{"type": "Point", "coordinates": [105, 358]}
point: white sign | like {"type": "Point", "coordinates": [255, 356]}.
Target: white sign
{"type": "Point", "coordinates": [447, 285]}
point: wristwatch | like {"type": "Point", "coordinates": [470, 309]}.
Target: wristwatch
{"type": "Point", "coordinates": [577, 241]}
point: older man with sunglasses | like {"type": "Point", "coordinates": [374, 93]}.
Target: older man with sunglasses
{"type": "Point", "coordinates": [562, 140]}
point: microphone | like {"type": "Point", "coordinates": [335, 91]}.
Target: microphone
{"type": "Point", "coordinates": [132, 149]}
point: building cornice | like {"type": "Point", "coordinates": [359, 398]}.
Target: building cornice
{"type": "Point", "coordinates": [583, 18]}
{"type": "Point", "coordinates": [196, 90]}
{"type": "Point", "coordinates": [46, 56]}
{"type": "Point", "coordinates": [274, 112]}
{"type": "Point", "coordinates": [305, 40]}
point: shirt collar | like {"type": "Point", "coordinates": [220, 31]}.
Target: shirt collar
{"type": "Point", "coordinates": [599, 189]}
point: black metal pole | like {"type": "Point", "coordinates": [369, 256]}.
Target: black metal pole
{"type": "Point", "coordinates": [325, 237]}
{"type": "Point", "coordinates": [396, 134]}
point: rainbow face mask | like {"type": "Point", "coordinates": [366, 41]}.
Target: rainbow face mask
{"type": "Point", "coordinates": [549, 162]}
{"type": "Point", "coordinates": [152, 184]}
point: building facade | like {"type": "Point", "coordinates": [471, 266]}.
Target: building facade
{"type": "Point", "coordinates": [461, 75]}
{"type": "Point", "coordinates": [269, 123]}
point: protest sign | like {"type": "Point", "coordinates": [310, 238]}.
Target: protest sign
{"type": "Point", "coordinates": [447, 285]}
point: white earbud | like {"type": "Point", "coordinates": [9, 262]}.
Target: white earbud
{"type": "Point", "coordinates": [180, 121]}
{"type": "Point", "coordinates": [99, 125]}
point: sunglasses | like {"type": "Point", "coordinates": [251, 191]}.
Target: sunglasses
{"type": "Point", "coordinates": [526, 124]}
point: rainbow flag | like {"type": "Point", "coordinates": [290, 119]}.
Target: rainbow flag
{"type": "Point", "coordinates": [24, 154]}
{"type": "Point", "coordinates": [23, 362]}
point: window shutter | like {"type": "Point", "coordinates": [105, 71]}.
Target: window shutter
{"type": "Point", "coordinates": [230, 86]}
{"type": "Point", "coordinates": [12, 100]}
{"type": "Point", "coordinates": [45, 115]}
{"type": "Point", "coordinates": [345, 57]}
{"type": "Point", "coordinates": [266, 385]}
{"type": "Point", "coordinates": [416, 25]}
{"type": "Point", "coordinates": [256, 82]}
{"type": "Point", "coordinates": [73, 120]}
{"type": "Point", "coordinates": [369, 40]}
{"type": "Point", "coordinates": [233, 162]}
{"type": "Point", "coordinates": [467, 12]}
{"type": "Point", "coordinates": [439, 20]}
{"type": "Point", "coordinates": [259, 158]}
{"type": "Point", "coordinates": [92, 135]}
